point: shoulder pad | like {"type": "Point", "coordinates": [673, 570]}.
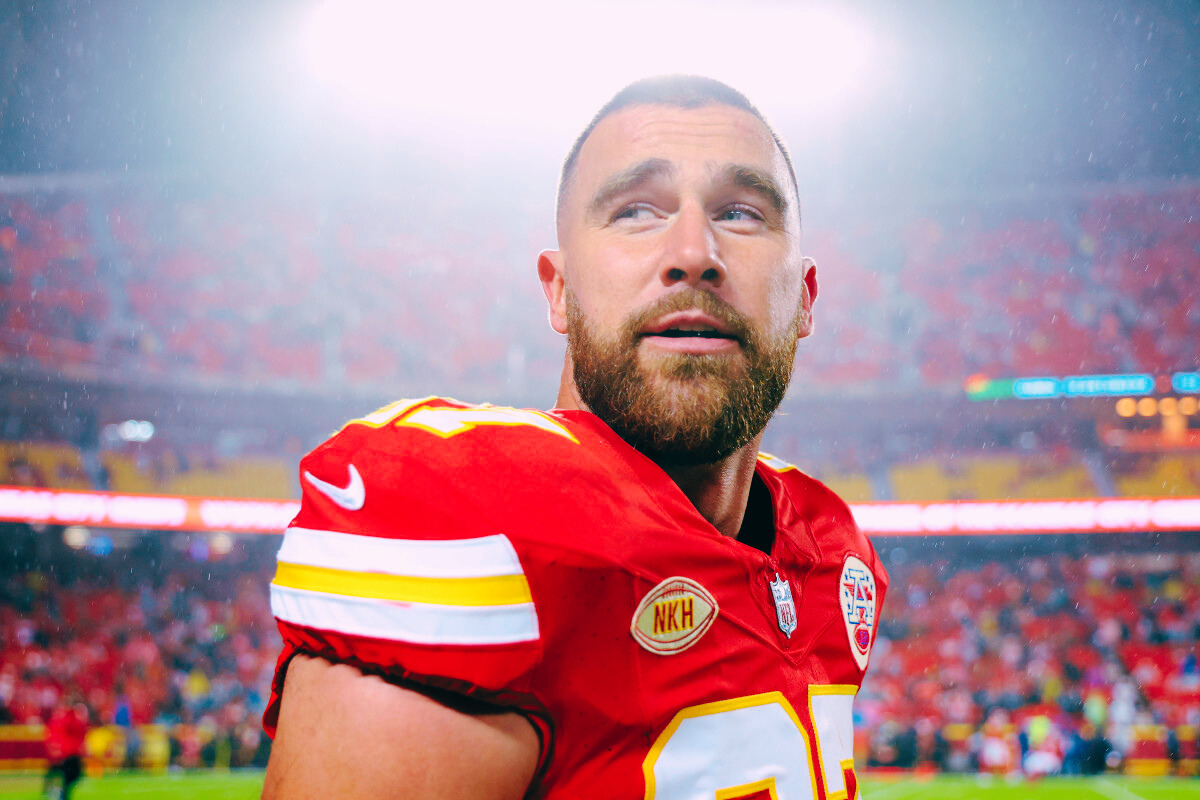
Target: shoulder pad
{"type": "Point", "coordinates": [421, 468]}
{"type": "Point", "coordinates": [431, 421]}
{"type": "Point", "coordinates": [395, 549]}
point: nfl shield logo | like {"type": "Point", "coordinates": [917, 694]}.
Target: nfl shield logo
{"type": "Point", "coordinates": [785, 608]}
{"type": "Point", "coordinates": [858, 608]}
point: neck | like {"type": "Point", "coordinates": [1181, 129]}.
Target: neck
{"type": "Point", "coordinates": [720, 491]}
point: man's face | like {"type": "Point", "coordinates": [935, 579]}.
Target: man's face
{"type": "Point", "coordinates": [682, 291]}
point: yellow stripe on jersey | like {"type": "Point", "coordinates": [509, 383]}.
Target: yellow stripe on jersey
{"type": "Point", "coordinates": [498, 590]}
{"type": "Point", "coordinates": [775, 463]}
{"type": "Point", "coordinates": [445, 421]}
{"type": "Point", "coordinates": [422, 591]}
{"type": "Point", "coordinates": [380, 417]}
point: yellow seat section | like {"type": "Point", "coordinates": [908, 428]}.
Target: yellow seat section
{"type": "Point", "coordinates": [1057, 481]}
{"type": "Point", "coordinates": [267, 478]}
{"type": "Point", "coordinates": [1167, 476]}
{"type": "Point", "coordinates": [851, 487]}
{"type": "Point", "coordinates": [1035, 477]}
{"type": "Point", "coordinates": [57, 466]}
{"type": "Point", "coordinates": [990, 478]}
{"type": "Point", "coordinates": [923, 480]}
{"type": "Point", "coordinates": [125, 476]}
{"type": "Point", "coordinates": [245, 477]}
{"type": "Point", "coordinates": [1001, 477]}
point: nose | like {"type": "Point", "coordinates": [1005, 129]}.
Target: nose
{"type": "Point", "coordinates": [691, 255]}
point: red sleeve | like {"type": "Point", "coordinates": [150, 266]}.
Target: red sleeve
{"type": "Point", "coordinates": [392, 567]}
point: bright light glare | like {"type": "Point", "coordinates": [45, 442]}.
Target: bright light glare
{"type": "Point", "coordinates": [76, 536]}
{"type": "Point", "coordinates": [551, 63]}
{"type": "Point", "coordinates": [132, 430]}
{"type": "Point", "coordinates": [220, 543]}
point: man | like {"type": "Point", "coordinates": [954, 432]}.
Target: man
{"type": "Point", "coordinates": [620, 597]}
{"type": "Point", "coordinates": [66, 732]}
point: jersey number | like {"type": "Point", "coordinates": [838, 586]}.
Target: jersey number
{"type": "Point", "coordinates": [755, 748]}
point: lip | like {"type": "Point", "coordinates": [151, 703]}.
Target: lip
{"type": "Point", "coordinates": [686, 318]}
{"type": "Point", "coordinates": [695, 345]}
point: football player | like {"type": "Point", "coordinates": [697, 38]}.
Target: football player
{"type": "Point", "coordinates": [620, 597]}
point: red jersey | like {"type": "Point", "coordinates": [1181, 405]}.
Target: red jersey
{"type": "Point", "coordinates": [66, 732]}
{"type": "Point", "coordinates": [536, 561]}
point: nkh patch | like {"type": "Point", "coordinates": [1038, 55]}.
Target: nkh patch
{"type": "Point", "coordinates": [785, 607]}
{"type": "Point", "coordinates": [858, 608]}
{"type": "Point", "coordinates": [673, 616]}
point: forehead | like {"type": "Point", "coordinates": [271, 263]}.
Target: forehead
{"type": "Point", "coordinates": [690, 138]}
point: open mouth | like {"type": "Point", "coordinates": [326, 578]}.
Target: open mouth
{"type": "Point", "coordinates": [699, 332]}
{"type": "Point", "coordinates": [691, 331]}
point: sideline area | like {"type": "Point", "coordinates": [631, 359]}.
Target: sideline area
{"type": "Point", "coordinates": [247, 785]}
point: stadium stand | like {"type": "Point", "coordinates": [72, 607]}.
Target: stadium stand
{"type": "Point", "coordinates": [1095, 286]}
{"type": "Point", "coordinates": [194, 470]}
{"type": "Point", "coordinates": [1054, 662]}
{"type": "Point", "coordinates": [1020, 477]}
{"type": "Point", "coordinates": [171, 650]}
{"type": "Point", "coordinates": [1081, 655]}
{"type": "Point", "coordinates": [54, 305]}
{"type": "Point", "coordinates": [165, 471]}
{"type": "Point", "coordinates": [146, 280]}
{"type": "Point", "coordinates": [1158, 476]}
{"type": "Point", "coordinates": [1067, 657]}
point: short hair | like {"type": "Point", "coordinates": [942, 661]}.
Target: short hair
{"type": "Point", "coordinates": [680, 91]}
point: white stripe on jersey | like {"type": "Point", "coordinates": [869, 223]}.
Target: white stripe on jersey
{"type": "Point", "coordinates": [483, 557]}
{"type": "Point", "coordinates": [418, 623]}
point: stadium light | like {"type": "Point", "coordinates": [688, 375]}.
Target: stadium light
{"type": "Point", "coordinates": [131, 430]}
{"type": "Point", "coordinates": [220, 543]}
{"type": "Point", "coordinates": [76, 536]}
{"type": "Point", "coordinates": [538, 64]}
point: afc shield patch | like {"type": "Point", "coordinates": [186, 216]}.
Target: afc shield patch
{"type": "Point", "coordinates": [857, 590]}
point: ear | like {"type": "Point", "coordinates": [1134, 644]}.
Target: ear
{"type": "Point", "coordinates": [550, 272]}
{"type": "Point", "coordinates": [809, 297]}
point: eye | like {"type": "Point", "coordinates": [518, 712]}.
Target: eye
{"type": "Point", "coordinates": [637, 213]}
{"type": "Point", "coordinates": [739, 214]}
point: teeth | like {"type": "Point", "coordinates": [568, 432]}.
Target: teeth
{"type": "Point", "coordinates": [681, 332]}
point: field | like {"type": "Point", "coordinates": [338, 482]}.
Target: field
{"type": "Point", "coordinates": [247, 785]}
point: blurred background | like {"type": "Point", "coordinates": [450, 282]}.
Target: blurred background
{"type": "Point", "coordinates": [225, 228]}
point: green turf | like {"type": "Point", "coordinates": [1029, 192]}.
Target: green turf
{"type": "Point", "coordinates": [248, 785]}
{"type": "Point", "coordinates": [192, 786]}
{"type": "Point", "coordinates": [953, 787]}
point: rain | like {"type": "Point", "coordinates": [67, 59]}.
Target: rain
{"type": "Point", "coordinates": [227, 229]}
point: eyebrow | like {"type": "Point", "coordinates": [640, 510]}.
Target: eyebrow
{"type": "Point", "coordinates": [639, 174]}
{"type": "Point", "coordinates": [756, 181]}
{"type": "Point", "coordinates": [643, 172]}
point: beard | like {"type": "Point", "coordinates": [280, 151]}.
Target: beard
{"type": "Point", "coordinates": [681, 409]}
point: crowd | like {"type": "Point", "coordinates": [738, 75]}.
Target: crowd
{"type": "Point", "coordinates": [299, 293]}
{"type": "Point", "coordinates": [172, 666]}
{"type": "Point", "coordinates": [1102, 288]}
{"type": "Point", "coordinates": [1045, 664]}
{"type": "Point", "coordinates": [238, 289]}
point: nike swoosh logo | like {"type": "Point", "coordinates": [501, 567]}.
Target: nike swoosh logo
{"type": "Point", "coordinates": [350, 498]}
